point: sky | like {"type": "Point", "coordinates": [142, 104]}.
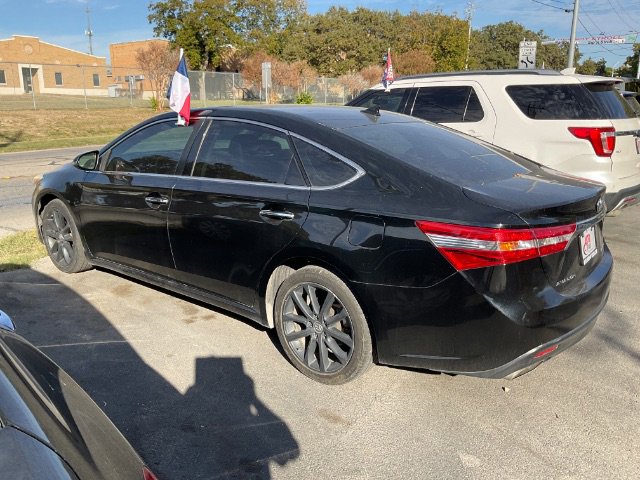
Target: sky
{"type": "Point", "coordinates": [63, 22]}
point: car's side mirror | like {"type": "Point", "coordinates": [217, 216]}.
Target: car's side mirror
{"type": "Point", "coordinates": [87, 161]}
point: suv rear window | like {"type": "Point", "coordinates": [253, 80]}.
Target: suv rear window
{"type": "Point", "coordinates": [609, 98]}
{"type": "Point", "coordinates": [556, 102]}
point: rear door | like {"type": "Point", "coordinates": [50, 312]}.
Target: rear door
{"type": "Point", "coordinates": [460, 104]}
{"type": "Point", "coordinates": [123, 208]}
{"type": "Point", "coordinates": [244, 202]}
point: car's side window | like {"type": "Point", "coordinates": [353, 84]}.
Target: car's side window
{"type": "Point", "coordinates": [322, 168]}
{"type": "Point", "coordinates": [453, 104]}
{"type": "Point", "coordinates": [244, 151]}
{"type": "Point", "coordinates": [391, 101]}
{"type": "Point", "coordinates": [154, 149]}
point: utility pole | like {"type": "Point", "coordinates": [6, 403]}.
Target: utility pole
{"type": "Point", "coordinates": [572, 41]}
{"type": "Point", "coordinates": [88, 32]}
{"type": "Point", "coordinates": [469, 15]}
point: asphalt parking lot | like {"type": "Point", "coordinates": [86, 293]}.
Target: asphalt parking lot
{"type": "Point", "coordinates": [204, 395]}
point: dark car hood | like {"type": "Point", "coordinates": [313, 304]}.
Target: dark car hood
{"type": "Point", "coordinates": [538, 194]}
{"type": "Point", "coordinates": [40, 399]}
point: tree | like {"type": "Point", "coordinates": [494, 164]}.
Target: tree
{"type": "Point", "coordinates": [372, 74]}
{"type": "Point", "coordinates": [592, 67]}
{"type": "Point", "coordinates": [497, 46]}
{"type": "Point", "coordinates": [206, 28]}
{"type": "Point", "coordinates": [630, 66]}
{"type": "Point", "coordinates": [442, 37]}
{"type": "Point", "coordinates": [353, 82]}
{"type": "Point", "coordinates": [158, 62]}
{"type": "Point", "coordinates": [413, 62]}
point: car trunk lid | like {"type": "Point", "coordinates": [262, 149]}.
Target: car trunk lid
{"type": "Point", "coordinates": [546, 199]}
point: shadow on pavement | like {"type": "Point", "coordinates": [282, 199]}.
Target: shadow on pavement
{"type": "Point", "coordinates": [217, 429]}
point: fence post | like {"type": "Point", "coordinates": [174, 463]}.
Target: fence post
{"type": "Point", "coordinates": [203, 89]}
{"type": "Point", "coordinates": [325, 90]}
{"type": "Point", "coordinates": [233, 87]}
{"type": "Point", "coordinates": [84, 87]}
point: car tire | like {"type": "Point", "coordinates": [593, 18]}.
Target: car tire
{"type": "Point", "coordinates": [321, 326]}
{"type": "Point", "coordinates": [61, 238]}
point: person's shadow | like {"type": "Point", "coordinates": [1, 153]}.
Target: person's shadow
{"type": "Point", "coordinates": [217, 429]}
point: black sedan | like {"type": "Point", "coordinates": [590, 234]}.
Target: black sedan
{"type": "Point", "coordinates": [49, 427]}
{"type": "Point", "coordinates": [358, 235]}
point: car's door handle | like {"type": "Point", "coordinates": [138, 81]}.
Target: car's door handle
{"type": "Point", "coordinates": [276, 215]}
{"type": "Point", "coordinates": [156, 201]}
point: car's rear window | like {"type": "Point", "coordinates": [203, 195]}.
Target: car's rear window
{"type": "Point", "coordinates": [609, 98]}
{"type": "Point", "coordinates": [556, 102]}
{"type": "Point", "coordinates": [439, 152]}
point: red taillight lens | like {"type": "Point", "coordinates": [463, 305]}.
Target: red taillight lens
{"type": "Point", "coordinates": [467, 247]}
{"type": "Point", "coordinates": [148, 474]}
{"type": "Point", "coordinates": [603, 139]}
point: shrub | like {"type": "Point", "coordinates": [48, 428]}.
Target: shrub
{"type": "Point", "coordinates": [304, 98]}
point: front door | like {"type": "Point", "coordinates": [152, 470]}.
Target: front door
{"type": "Point", "coordinates": [124, 206]}
{"type": "Point", "coordinates": [29, 79]}
{"type": "Point", "coordinates": [245, 202]}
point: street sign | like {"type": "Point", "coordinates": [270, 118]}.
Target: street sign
{"type": "Point", "coordinates": [266, 74]}
{"type": "Point", "coordinates": [527, 59]}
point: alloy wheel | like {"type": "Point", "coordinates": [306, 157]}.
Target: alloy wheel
{"type": "Point", "coordinates": [58, 236]}
{"type": "Point", "coordinates": [318, 328]}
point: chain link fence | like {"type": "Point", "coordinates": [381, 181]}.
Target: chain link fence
{"type": "Point", "coordinates": [55, 86]}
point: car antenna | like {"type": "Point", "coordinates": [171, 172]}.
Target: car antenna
{"type": "Point", "coordinates": [372, 110]}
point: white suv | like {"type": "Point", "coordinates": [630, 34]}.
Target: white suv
{"type": "Point", "coordinates": [574, 123]}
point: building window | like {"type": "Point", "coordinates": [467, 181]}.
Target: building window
{"type": "Point", "coordinates": [96, 79]}
{"type": "Point", "coordinates": [58, 78]}
{"type": "Point", "coordinates": [3, 79]}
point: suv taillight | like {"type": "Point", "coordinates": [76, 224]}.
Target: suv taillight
{"type": "Point", "coordinates": [603, 139]}
{"type": "Point", "coordinates": [467, 247]}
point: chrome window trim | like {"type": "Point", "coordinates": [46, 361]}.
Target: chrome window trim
{"type": "Point", "coordinates": [359, 170]}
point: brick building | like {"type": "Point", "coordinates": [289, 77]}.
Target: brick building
{"type": "Point", "coordinates": [28, 64]}
{"type": "Point", "coordinates": [123, 61]}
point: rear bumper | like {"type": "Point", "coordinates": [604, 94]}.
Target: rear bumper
{"type": "Point", "coordinates": [534, 357]}
{"type": "Point", "coordinates": [622, 199]}
{"type": "Point", "coordinates": [450, 327]}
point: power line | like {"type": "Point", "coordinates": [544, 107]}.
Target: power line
{"type": "Point", "coordinates": [598, 43]}
{"type": "Point", "coordinates": [620, 16]}
{"type": "Point", "coordinates": [566, 10]}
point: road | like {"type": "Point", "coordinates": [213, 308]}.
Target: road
{"type": "Point", "coordinates": [204, 395]}
{"type": "Point", "coordinates": [16, 183]}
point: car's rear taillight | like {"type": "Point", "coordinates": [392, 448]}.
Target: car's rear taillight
{"type": "Point", "coordinates": [603, 139]}
{"type": "Point", "coordinates": [148, 474]}
{"type": "Point", "coordinates": [467, 247]}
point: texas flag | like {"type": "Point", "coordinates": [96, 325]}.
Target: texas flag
{"type": "Point", "coordinates": [387, 76]}
{"type": "Point", "coordinates": [179, 93]}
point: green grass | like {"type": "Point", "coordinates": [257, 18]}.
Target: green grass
{"type": "Point", "coordinates": [42, 129]}
{"type": "Point", "coordinates": [19, 250]}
